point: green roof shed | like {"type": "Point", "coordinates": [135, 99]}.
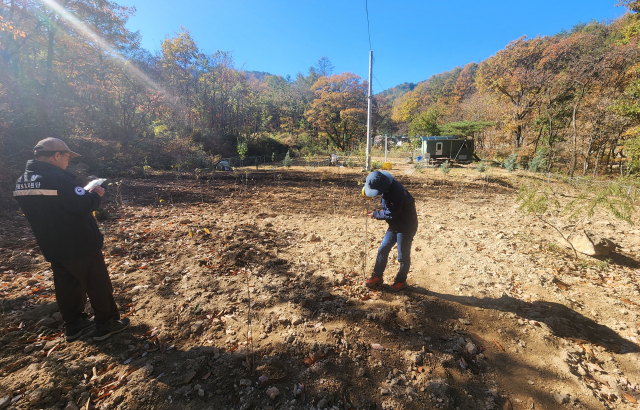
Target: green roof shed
{"type": "Point", "coordinates": [455, 148]}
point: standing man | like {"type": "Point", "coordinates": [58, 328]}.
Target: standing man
{"type": "Point", "coordinates": [399, 210]}
{"type": "Point", "coordinates": [60, 215]}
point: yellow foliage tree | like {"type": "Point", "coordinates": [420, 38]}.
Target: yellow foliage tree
{"type": "Point", "coordinates": [340, 108]}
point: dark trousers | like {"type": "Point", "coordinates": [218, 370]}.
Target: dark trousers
{"type": "Point", "coordinates": [404, 241]}
{"type": "Point", "coordinates": [76, 279]}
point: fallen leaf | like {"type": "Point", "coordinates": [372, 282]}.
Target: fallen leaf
{"type": "Point", "coordinates": [595, 367]}
{"type": "Point", "coordinates": [108, 369]}
{"type": "Point", "coordinates": [133, 369]}
{"type": "Point", "coordinates": [36, 290]}
{"type": "Point", "coordinates": [206, 376]}
{"type": "Point", "coordinates": [630, 398]}
{"type": "Point", "coordinates": [507, 405]}
{"type": "Point", "coordinates": [12, 329]}
{"type": "Point", "coordinates": [54, 348]}
{"type": "Point", "coordinates": [589, 350]}
{"type": "Point", "coordinates": [311, 360]}
{"type": "Point", "coordinates": [498, 345]}
{"type": "Point", "coordinates": [560, 284]}
{"type": "Point", "coordinates": [107, 394]}
{"type": "Point", "coordinates": [268, 381]}
{"type": "Point", "coordinates": [11, 366]}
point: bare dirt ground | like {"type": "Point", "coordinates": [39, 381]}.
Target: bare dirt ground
{"type": "Point", "coordinates": [244, 290]}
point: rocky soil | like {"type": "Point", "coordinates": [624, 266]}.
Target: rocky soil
{"type": "Point", "coordinates": [245, 291]}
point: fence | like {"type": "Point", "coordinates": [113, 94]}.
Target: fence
{"type": "Point", "coordinates": [348, 159]}
{"type": "Point", "coordinates": [254, 160]}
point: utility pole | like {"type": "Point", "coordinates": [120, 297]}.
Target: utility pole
{"type": "Point", "coordinates": [369, 113]}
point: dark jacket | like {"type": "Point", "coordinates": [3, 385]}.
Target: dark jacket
{"type": "Point", "coordinates": [398, 209]}
{"type": "Point", "coordinates": [59, 211]}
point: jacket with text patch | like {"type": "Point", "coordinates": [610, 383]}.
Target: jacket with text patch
{"type": "Point", "coordinates": [398, 209]}
{"type": "Point", "coordinates": [59, 211]}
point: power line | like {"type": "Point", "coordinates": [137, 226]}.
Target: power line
{"type": "Point", "coordinates": [366, 5]}
{"type": "Point", "coordinates": [381, 86]}
{"type": "Point", "coordinates": [369, 32]}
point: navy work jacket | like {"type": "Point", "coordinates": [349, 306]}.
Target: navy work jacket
{"type": "Point", "coordinates": [398, 209]}
{"type": "Point", "coordinates": [59, 211]}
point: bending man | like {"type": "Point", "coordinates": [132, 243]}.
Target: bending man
{"type": "Point", "coordinates": [399, 210]}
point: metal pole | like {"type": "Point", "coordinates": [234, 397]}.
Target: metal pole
{"type": "Point", "coordinates": [385, 147]}
{"type": "Point", "coordinates": [368, 165]}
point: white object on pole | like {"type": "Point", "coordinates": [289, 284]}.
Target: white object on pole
{"type": "Point", "coordinates": [369, 113]}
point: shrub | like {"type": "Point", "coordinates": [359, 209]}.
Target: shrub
{"type": "Point", "coordinates": [511, 162]}
{"type": "Point", "coordinates": [375, 165]}
{"type": "Point", "coordinates": [287, 161]}
{"type": "Point", "coordinates": [539, 162]}
{"type": "Point", "coordinates": [445, 167]}
{"type": "Point", "coordinates": [242, 149]}
{"type": "Point", "coordinates": [482, 166]}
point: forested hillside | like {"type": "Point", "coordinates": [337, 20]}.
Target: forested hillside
{"type": "Point", "coordinates": [571, 96]}
{"type": "Point", "coordinates": [79, 74]}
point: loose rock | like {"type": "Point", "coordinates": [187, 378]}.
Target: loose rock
{"type": "Point", "coordinates": [188, 377]}
{"type": "Point", "coordinates": [561, 398]}
{"type": "Point", "coordinates": [70, 406]}
{"type": "Point", "coordinates": [273, 392]}
{"type": "Point", "coordinates": [593, 244]}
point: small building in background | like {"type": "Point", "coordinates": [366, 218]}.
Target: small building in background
{"type": "Point", "coordinates": [459, 149]}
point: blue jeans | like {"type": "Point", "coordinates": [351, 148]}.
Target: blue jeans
{"type": "Point", "coordinates": [404, 242]}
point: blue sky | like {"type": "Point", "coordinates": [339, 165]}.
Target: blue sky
{"type": "Point", "coordinates": [411, 39]}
